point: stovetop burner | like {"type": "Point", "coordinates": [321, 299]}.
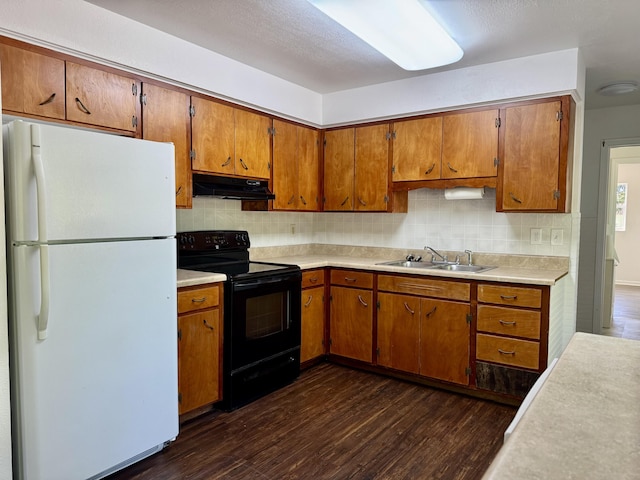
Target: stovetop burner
{"type": "Point", "coordinates": [223, 251]}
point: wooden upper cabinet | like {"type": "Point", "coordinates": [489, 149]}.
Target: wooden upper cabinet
{"type": "Point", "coordinates": [229, 141]}
{"type": "Point", "coordinates": [470, 144]}
{"type": "Point", "coordinates": [101, 98]}
{"type": "Point", "coordinates": [165, 118]}
{"type": "Point", "coordinates": [339, 169]}
{"type": "Point", "coordinates": [295, 167]}
{"type": "Point", "coordinates": [535, 167]}
{"type": "Point", "coordinates": [32, 83]}
{"type": "Point", "coordinates": [371, 168]}
{"type": "Point", "coordinates": [417, 149]}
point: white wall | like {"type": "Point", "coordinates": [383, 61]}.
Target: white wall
{"type": "Point", "coordinates": [615, 124]}
{"type": "Point", "coordinates": [628, 271]}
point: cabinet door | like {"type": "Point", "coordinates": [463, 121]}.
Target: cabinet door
{"type": "Point", "coordinates": [308, 170]}
{"type": "Point", "coordinates": [100, 98]}
{"type": "Point", "coordinates": [285, 166]}
{"type": "Point", "coordinates": [212, 137]}
{"type": "Point", "coordinates": [32, 83]}
{"type": "Point", "coordinates": [470, 144]}
{"type": "Point", "coordinates": [444, 340]}
{"type": "Point", "coordinates": [339, 169]}
{"type": "Point", "coordinates": [372, 168]}
{"type": "Point", "coordinates": [531, 157]}
{"type": "Point", "coordinates": [351, 323]}
{"type": "Point", "coordinates": [399, 332]}
{"type": "Point", "coordinates": [312, 341]}
{"type": "Point", "coordinates": [199, 342]}
{"type": "Point", "coordinates": [417, 149]}
{"type": "Point", "coordinates": [253, 144]}
{"type": "Point", "coordinates": [165, 118]}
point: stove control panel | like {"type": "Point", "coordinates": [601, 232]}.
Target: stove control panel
{"type": "Point", "coordinates": [213, 240]}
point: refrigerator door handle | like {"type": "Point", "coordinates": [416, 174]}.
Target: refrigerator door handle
{"type": "Point", "coordinates": [43, 317]}
{"type": "Point", "coordinates": [41, 192]}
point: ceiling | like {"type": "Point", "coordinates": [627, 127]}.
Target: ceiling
{"type": "Point", "coordinates": [293, 40]}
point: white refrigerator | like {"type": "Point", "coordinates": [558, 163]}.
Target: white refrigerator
{"type": "Point", "coordinates": [92, 299]}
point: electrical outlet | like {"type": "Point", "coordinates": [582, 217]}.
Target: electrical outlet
{"type": "Point", "coordinates": [536, 236]}
{"type": "Point", "coordinates": [557, 236]}
{"type": "Point", "coordinates": [292, 226]}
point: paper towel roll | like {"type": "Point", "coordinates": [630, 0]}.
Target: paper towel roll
{"type": "Point", "coordinates": [463, 193]}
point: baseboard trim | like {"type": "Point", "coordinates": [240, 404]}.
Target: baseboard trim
{"type": "Point", "coordinates": [628, 284]}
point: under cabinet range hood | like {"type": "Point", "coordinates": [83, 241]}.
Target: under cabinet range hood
{"type": "Point", "coordinates": [232, 188]}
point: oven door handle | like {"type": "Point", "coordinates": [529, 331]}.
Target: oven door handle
{"type": "Point", "coordinates": [258, 282]}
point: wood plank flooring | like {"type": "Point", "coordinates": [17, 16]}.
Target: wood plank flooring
{"type": "Point", "coordinates": [626, 313]}
{"type": "Point", "coordinates": [337, 423]}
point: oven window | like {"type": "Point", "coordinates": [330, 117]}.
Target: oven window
{"type": "Point", "coordinates": [267, 314]}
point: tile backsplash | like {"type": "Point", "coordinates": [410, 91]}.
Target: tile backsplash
{"type": "Point", "coordinates": [442, 224]}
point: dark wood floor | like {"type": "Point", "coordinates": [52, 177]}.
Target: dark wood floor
{"type": "Point", "coordinates": [626, 313]}
{"type": "Point", "coordinates": [337, 423]}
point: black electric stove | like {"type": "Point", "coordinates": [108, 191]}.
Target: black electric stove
{"type": "Point", "coordinates": [262, 313]}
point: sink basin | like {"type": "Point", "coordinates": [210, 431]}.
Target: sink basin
{"type": "Point", "coordinates": [465, 268]}
{"type": "Point", "coordinates": [407, 263]}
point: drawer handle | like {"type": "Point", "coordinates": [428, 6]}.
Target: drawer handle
{"type": "Point", "coordinates": [309, 301]}
{"type": "Point", "coordinates": [349, 279]}
{"type": "Point", "coordinates": [227, 162]}
{"type": "Point", "coordinates": [422, 287]}
{"type": "Point", "coordinates": [433, 310]}
{"type": "Point", "coordinates": [504, 352]}
{"type": "Point", "coordinates": [509, 297]}
{"type": "Point", "coordinates": [408, 308]}
{"type": "Point", "coordinates": [207, 325]}
{"type": "Point", "coordinates": [504, 322]}
{"type": "Point", "coordinates": [362, 301]}
{"type": "Point", "coordinates": [198, 300]}
{"type": "Point", "coordinates": [48, 100]}
{"type": "Point", "coordinates": [314, 280]}
{"type": "Point", "coordinates": [430, 169]}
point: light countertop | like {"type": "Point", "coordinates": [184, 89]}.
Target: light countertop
{"type": "Point", "coordinates": [584, 423]}
{"type": "Point", "coordinates": [188, 278]}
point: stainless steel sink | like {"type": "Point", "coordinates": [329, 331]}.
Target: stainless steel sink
{"type": "Point", "coordinates": [465, 268]}
{"type": "Point", "coordinates": [408, 264]}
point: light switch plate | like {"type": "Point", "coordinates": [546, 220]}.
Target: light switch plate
{"type": "Point", "coordinates": [557, 236]}
{"type": "Point", "coordinates": [536, 236]}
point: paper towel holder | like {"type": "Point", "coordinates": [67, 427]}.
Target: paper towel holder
{"type": "Point", "coordinates": [463, 193]}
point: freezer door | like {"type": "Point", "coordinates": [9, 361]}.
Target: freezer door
{"type": "Point", "coordinates": [102, 388]}
{"type": "Point", "coordinates": [86, 185]}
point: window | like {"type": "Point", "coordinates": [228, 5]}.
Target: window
{"type": "Point", "coordinates": [621, 207]}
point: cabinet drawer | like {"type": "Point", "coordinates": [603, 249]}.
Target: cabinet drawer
{"type": "Point", "coordinates": [425, 287]}
{"type": "Point", "coordinates": [516, 296]}
{"type": "Point", "coordinates": [350, 278]}
{"type": "Point", "coordinates": [197, 299]}
{"type": "Point", "coordinates": [508, 351]}
{"type": "Point", "coordinates": [509, 321]}
{"type": "Point", "coordinates": [312, 278]}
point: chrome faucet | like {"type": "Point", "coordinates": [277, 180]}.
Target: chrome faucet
{"type": "Point", "coordinates": [469, 253]}
{"type": "Point", "coordinates": [434, 253]}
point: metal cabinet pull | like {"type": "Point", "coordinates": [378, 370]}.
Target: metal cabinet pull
{"type": "Point", "coordinates": [309, 301]}
{"type": "Point", "coordinates": [408, 308]}
{"type": "Point", "coordinates": [504, 352]}
{"type": "Point", "coordinates": [304, 202]}
{"type": "Point", "coordinates": [244, 165]}
{"type": "Point", "coordinates": [344, 201]}
{"type": "Point", "coordinates": [514, 198]}
{"type": "Point", "coordinates": [349, 279]}
{"type": "Point", "coordinates": [430, 169]}
{"type": "Point", "coordinates": [291, 200]}
{"type": "Point", "coordinates": [433, 310]}
{"type": "Point", "coordinates": [362, 202]}
{"type": "Point", "coordinates": [362, 301]}
{"type": "Point", "coordinates": [198, 300]}
{"type": "Point", "coordinates": [179, 190]}
{"type": "Point", "coordinates": [451, 168]}
{"type": "Point", "coordinates": [82, 107]}
{"type": "Point", "coordinates": [207, 325]}
{"type": "Point", "coordinates": [509, 297]}
{"type": "Point", "coordinates": [227, 162]}
{"type": "Point", "coordinates": [504, 322]}
{"type": "Point", "coordinates": [48, 100]}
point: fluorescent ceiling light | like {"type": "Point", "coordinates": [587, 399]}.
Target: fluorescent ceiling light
{"type": "Point", "coordinates": [402, 30]}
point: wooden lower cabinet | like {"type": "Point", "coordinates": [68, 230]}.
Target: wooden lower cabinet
{"type": "Point", "coordinates": [199, 347]}
{"type": "Point", "coordinates": [312, 344]}
{"type": "Point", "coordinates": [351, 323]}
{"type": "Point", "coordinates": [399, 332]}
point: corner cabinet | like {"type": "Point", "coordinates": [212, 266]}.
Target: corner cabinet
{"type": "Point", "coordinates": [199, 347]}
{"type": "Point", "coordinates": [229, 141]}
{"type": "Point", "coordinates": [535, 168]}
{"type": "Point", "coordinates": [165, 118]}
